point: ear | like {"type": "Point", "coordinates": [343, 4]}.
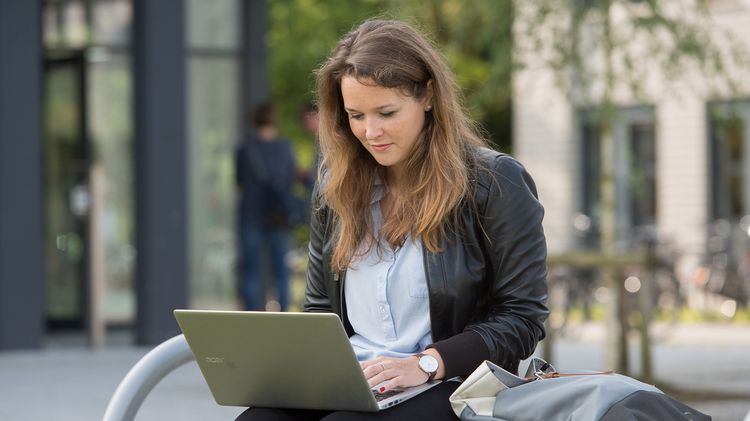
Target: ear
{"type": "Point", "coordinates": [427, 100]}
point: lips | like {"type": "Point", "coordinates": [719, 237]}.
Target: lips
{"type": "Point", "coordinates": [381, 147]}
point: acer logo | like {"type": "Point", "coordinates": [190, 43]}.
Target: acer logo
{"type": "Point", "coordinates": [215, 360]}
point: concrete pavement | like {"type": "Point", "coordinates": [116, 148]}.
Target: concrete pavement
{"type": "Point", "coordinates": [75, 385]}
{"type": "Point", "coordinates": [707, 366]}
{"type": "Point", "coordinates": [66, 381]}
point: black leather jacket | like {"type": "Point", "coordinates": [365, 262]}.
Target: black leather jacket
{"type": "Point", "coordinates": [487, 287]}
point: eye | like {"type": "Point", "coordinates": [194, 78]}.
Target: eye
{"type": "Point", "coordinates": [387, 113]}
{"type": "Point", "coordinates": [355, 116]}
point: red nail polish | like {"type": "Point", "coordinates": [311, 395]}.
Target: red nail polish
{"type": "Point", "coordinates": [382, 389]}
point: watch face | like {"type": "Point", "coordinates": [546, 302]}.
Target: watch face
{"type": "Point", "coordinates": [428, 363]}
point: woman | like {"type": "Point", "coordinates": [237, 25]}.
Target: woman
{"type": "Point", "coordinates": [427, 244]}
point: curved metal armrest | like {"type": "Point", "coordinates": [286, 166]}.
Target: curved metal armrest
{"type": "Point", "coordinates": [144, 375]}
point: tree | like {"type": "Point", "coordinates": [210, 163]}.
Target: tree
{"type": "Point", "coordinates": [301, 34]}
{"type": "Point", "coordinates": [604, 51]}
{"type": "Point", "coordinates": [475, 40]}
{"type": "Point", "coordinates": [475, 37]}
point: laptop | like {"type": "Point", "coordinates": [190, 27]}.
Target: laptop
{"type": "Point", "coordinates": [282, 360]}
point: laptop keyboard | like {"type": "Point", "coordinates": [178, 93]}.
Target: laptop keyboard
{"type": "Point", "coordinates": [385, 395]}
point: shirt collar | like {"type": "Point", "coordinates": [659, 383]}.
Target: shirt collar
{"type": "Point", "coordinates": [379, 190]}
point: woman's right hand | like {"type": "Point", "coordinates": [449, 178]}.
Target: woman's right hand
{"type": "Point", "coordinates": [398, 373]}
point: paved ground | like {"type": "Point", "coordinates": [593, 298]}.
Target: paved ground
{"type": "Point", "coordinates": [704, 369]}
{"type": "Point", "coordinates": [68, 382]}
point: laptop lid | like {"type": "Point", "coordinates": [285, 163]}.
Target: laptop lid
{"type": "Point", "coordinates": [280, 360]}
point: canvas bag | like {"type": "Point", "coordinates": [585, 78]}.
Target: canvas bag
{"type": "Point", "coordinates": [492, 393]}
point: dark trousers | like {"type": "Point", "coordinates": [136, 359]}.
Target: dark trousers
{"type": "Point", "coordinates": [254, 240]}
{"type": "Point", "coordinates": [432, 405]}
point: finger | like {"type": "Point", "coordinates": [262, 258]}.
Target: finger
{"type": "Point", "coordinates": [394, 383]}
{"type": "Point", "coordinates": [404, 378]}
{"type": "Point", "coordinates": [372, 371]}
{"type": "Point", "coordinates": [380, 377]}
{"type": "Point", "coordinates": [368, 363]}
{"type": "Point", "coordinates": [373, 367]}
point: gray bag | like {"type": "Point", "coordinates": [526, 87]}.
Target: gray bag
{"type": "Point", "coordinates": [492, 393]}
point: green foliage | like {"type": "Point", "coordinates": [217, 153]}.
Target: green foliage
{"type": "Point", "coordinates": [619, 42]}
{"type": "Point", "coordinates": [301, 34]}
{"type": "Point", "coordinates": [473, 35]}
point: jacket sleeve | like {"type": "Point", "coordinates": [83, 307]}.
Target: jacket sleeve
{"type": "Point", "coordinates": [316, 294]}
{"type": "Point", "coordinates": [512, 221]}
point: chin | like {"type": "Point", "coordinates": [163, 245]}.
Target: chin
{"type": "Point", "coordinates": [381, 161]}
{"type": "Point", "coordinates": [384, 162]}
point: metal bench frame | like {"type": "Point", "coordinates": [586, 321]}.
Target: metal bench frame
{"type": "Point", "coordinates": [145, 374]}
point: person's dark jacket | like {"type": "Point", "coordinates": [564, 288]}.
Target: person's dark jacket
{"type": "Point", "coordinates": [264, 171]}
{"type": "Point", "coordinates": [487, 287]}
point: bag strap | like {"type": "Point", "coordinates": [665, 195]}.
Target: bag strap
{"type": "Point", "coordinates": [555, 374]}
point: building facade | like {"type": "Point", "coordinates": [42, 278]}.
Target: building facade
{"type": "Point", "coordinates": [682, 149]}
{"type": "Point", "coordinates": [118, 121]}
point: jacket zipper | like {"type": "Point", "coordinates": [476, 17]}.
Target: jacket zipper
{"type": "Point", "coordinates": [339, 277]}
{"type": "Point", "coordinates": [429, 289]}
{"type": "Point", "coordinates": [426, 272]}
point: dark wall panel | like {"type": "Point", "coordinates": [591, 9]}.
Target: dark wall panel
{"type": "Point", "coordinates": [160, 172]}
{"type": "Point", "coordinates": [21, 257]}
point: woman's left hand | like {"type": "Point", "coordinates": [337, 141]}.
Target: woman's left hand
{"type": "Point", "coordinates": [396, 372]}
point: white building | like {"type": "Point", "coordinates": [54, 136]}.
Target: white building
{"type": "Point", "coordinates": [678, 167]}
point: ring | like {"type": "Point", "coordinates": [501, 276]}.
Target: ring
{"type": "Point", "coordinates": [382, 367]}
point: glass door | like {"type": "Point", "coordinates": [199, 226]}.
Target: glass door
{"type": "Point", "coordinates": [66, 194]}
{"type": "Point", "coordinates": [88, 131]}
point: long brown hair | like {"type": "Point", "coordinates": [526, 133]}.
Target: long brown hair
{"type": "Point", "coordinates": [392, 54]}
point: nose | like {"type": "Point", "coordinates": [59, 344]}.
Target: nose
{"type": "Point", "coordinates": [372, 129]}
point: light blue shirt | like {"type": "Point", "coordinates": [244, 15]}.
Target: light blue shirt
{"type": "Point", "coordinates": [387, 298]}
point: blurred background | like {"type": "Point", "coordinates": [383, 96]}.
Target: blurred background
{"type": "Point", "coordinates": [128, 131]}
{"type": "Point", "coordinates": [119, 120]}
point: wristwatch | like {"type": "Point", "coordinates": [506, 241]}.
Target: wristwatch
{"type": "Point", "coordinates": [428, 364]}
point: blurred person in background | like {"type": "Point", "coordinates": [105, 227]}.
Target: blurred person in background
{"type": "Point", "coordinates": [309, 119]}
{"type": "Point", "coordinates": [265, 173]}
{"type": "Point", "coordinates": [426, 243]}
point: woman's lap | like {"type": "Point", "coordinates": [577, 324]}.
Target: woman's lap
{"type": "Point", "coordinates": [430, 405]}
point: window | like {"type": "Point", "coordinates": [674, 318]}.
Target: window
{"type": "Point", "coordinates": [214, 73]}
{"type": "Point", "coordinates": [88, 83]}
{"type": "Point", "coordinates": [634, 168]}
{"type": "Point", "coordinates": [730, 160]}
{"type": "Point", "coordinates": [642, 174]}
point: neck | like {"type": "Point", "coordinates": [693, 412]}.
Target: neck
{"type": "Point", "coordinates": [394, 176]}
{"type": "Point", "coordinates": [267, 133]}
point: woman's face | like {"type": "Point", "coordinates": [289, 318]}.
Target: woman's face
{"type": "Point", "coordinates": [386, 121]}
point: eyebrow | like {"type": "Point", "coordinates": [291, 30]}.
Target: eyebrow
{"type": "Point", "coordinates": [352, 110]}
